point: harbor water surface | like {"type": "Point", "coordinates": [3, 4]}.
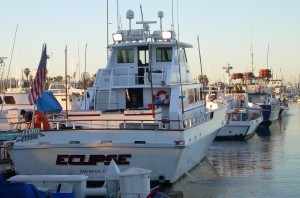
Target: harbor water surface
{"type": "Point", "coordinates": [267, 165]}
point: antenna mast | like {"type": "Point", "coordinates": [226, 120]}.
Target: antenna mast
{"type": "Point", "coordinates": [118, 21]}
{"type": "Point", "coordinates": [252, 58]}
{"type": "Point", "coordinates": [172, 17]}
{"type": "Point", "coordinates": [85, 94]}
{"type": "Point", "coordinates": [251, 53]}
{"type": "Point", "coordinates": [268, 57]}
{"type": "Point", "coordinates": [178, 21]}
{"type": "Point", "coordinates": [106, 29]}
{"type": "Point", "coordinates": [199, 54]}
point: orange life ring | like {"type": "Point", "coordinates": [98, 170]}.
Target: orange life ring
{"type": "Point", "coordinates": [162, 95]}
{"type": "Point", "coordinates": [242, 97]}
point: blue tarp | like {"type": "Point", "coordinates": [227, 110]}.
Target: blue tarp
{"type": "Point", "coordinates": [20, 189]}
{"type": "Point", "coordinates": [48, 103]}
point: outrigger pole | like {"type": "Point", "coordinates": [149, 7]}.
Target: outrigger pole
{"type": "Point", "coordinates": [199, 55]}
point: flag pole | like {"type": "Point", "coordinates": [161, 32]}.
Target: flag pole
{"type": "Point", "coordinates": [38, 85]}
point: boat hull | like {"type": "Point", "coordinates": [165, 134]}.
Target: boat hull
{"type": "Point", "coordinates": [270, 113]}
{"type": "Point", "coordinates": [168, 153]}
{"type": "Point", "coordinates": [92, 159]}
{"type": "Point", "coordinates": [238, 130]}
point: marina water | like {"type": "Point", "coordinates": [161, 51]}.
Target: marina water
{"type": "Point", "coordinates": [267, 165]}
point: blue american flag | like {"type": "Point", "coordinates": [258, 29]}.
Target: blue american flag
{"type": "Point", "coordinates": [39, 81]}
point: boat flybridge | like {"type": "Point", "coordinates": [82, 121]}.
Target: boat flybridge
{"type": "Point", "coordinates": [168, 129]}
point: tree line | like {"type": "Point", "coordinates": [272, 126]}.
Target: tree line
{"type": "Point", "coordinates": [84, 82]}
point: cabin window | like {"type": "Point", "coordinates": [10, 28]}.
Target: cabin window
{"type": "Point", "coordinates": [182, 56]}
{"type": "Point", "coordinates": [57, 87]}
{"type": "Point", "coordinates": [61, 87]}
{"type": "Point", "coordinates": [201, 93]}
{"type": "Point", "coordinates": [191, 96]}
{"type": "Point", "coordinates": [197, 94]}
{"type": "Point", "coordinates": [163, 54]}
{"type": "Point", "coordinates": [1, 101]}
{"type": "Point", "coordinates": [125, 56]}
{"type": "Point", "coordinates": [143, 62]}
{"type": "Point", "coordinates": [143, 56]}
{"type": "Point", "coordinates": [9, 100]}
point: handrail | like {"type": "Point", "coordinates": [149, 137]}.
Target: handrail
{"type": "Point", "coordinates": [30, 134]}
{"type": "Point", "coordinates": [163, 124]}
{"type": "Point", "coordinates": [127, 75]}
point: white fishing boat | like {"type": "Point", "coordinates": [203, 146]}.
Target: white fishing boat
{"type": "Point", "coordinates": [242, 117]}
{"type": "Point", "coordinates": [15, 99]}
{"type": "Point", "coordinates": [169, 133]}
{"type": "Point", "coordinates": [260, 95]}
{"type": "Point", "coordinates": [278, 91]}
{"type": "Point", "coordinates": [74, 95]}
{"type": "Point", "coordinates": [11, 102]}
{"type": "Point", "coordinates": [259, 92]}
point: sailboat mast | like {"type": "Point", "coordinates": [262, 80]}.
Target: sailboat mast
{"type": "Point", "coordinates": [84, 78]}
{"type": "Point", "coordinates": [268, 57]}
{"type": "Point", "coordinates": [252, 67]}
{"type": "Point", "coordinates": [66, 82]}
{"type": "Point", "coordinates": [252, 58]}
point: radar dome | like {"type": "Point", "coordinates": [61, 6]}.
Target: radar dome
{"type": "Point", "coordinates": [129, 14]}
{"type": "Point", "coordinates": [160, 14]}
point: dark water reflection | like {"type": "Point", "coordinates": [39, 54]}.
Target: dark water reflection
{"type": "Point", "coordinates": [267, 165]}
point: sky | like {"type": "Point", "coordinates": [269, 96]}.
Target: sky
{"type": "Point", "coordinates": [226, 30]}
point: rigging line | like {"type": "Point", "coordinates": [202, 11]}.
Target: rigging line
{"type": "Point", "coordinates": [11, 55]}
{"type": "Point", "coordinates": [12, 51]}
